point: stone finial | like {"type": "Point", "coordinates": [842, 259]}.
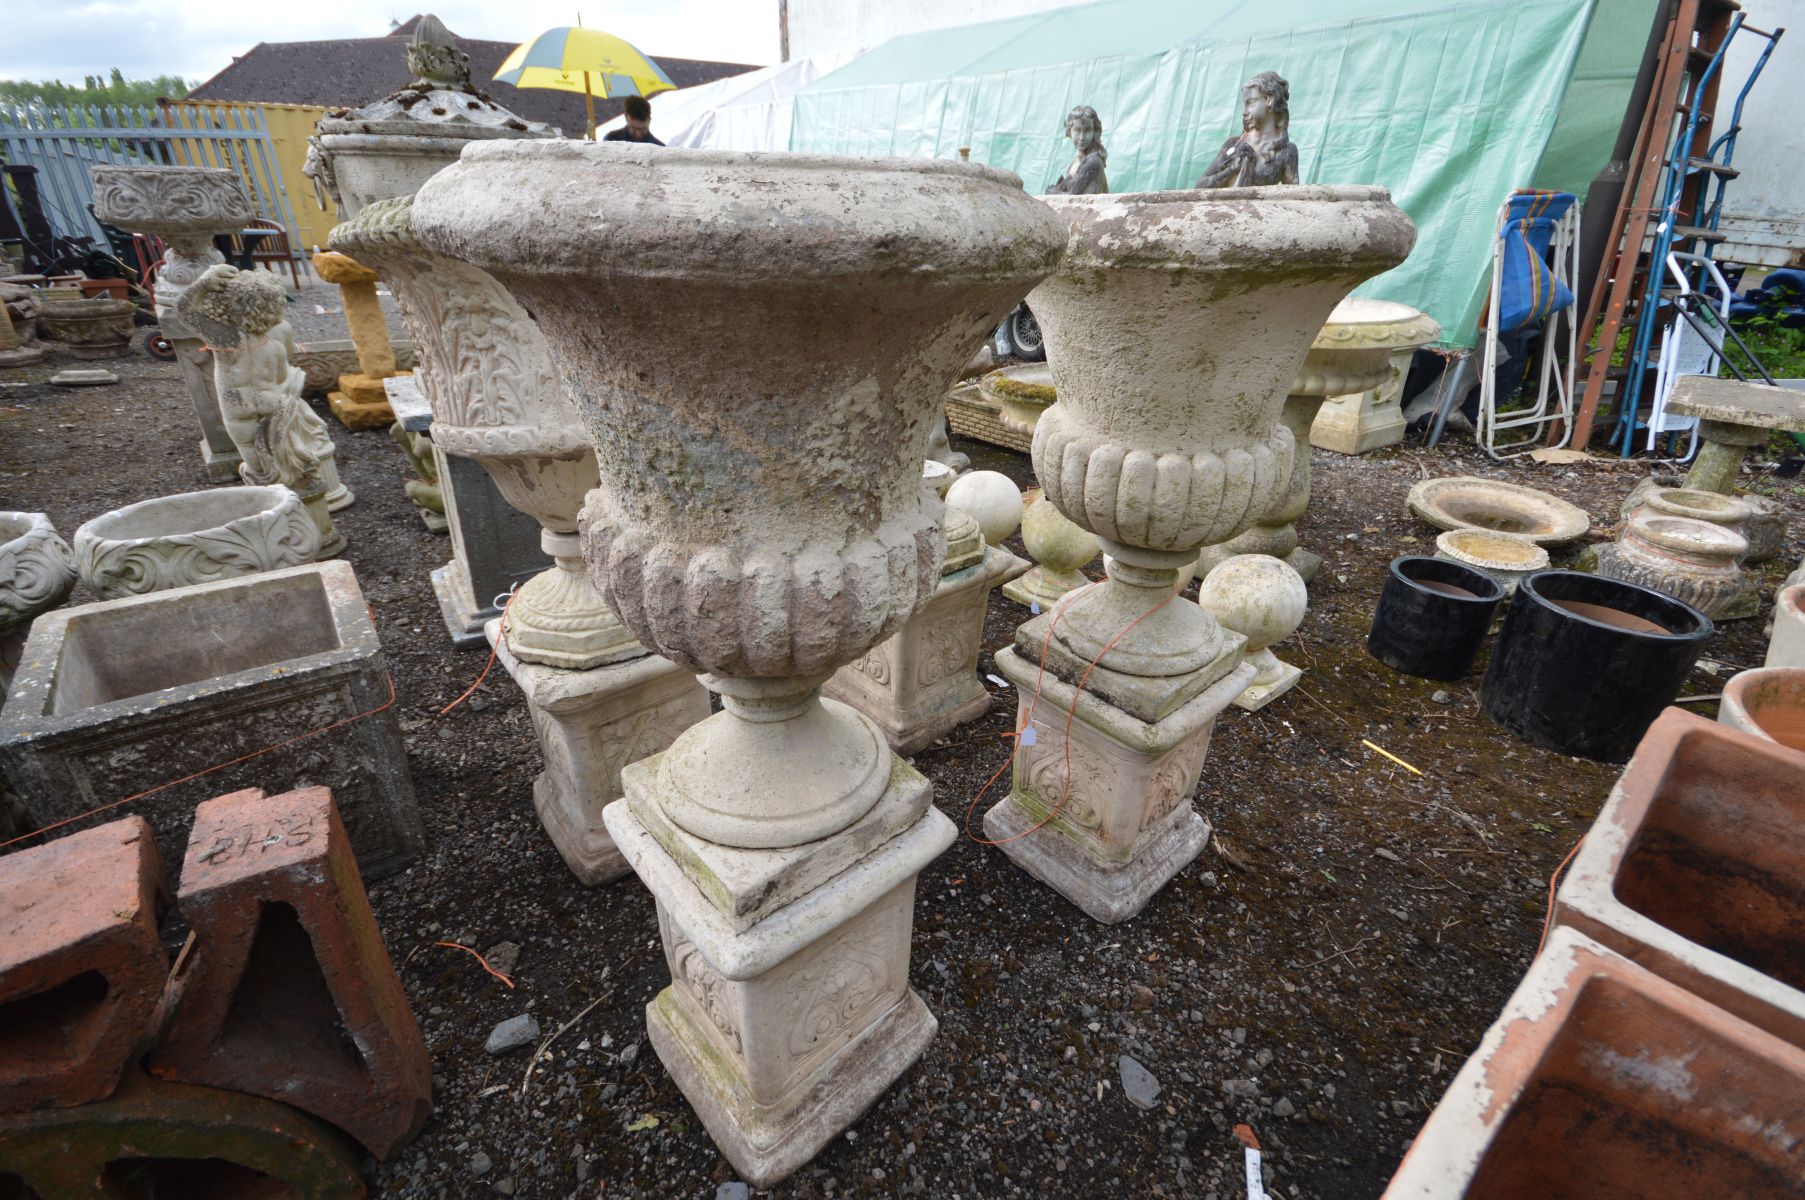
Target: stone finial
{"type": "Point", "coordinates": [433, 56]}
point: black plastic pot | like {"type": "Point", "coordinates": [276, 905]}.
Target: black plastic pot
{"type": "Point", "coordinates": [1585, 664]}
{"type": "Point", "coordinates": [1432, 616]}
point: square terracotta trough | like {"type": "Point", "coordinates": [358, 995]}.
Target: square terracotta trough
{"type": "Point", "coordinates": [1602, 1081]}
{"type": "Point", "coordinates": [1696, 870]}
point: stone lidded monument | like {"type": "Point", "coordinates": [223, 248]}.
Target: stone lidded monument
{"type": "Point", "coordinates": [598, 698]}
{"type": "Point", "coordinates": [1166, 438]}
{"type": "Point", "coordinates": [761, 519]}
{"type": "Point", "coordinates": [1263, 153]}
{"type": "Point", "coordinates": [242, 317]}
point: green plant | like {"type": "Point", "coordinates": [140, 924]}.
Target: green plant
{"type": "Point", "coordinates": [1780, 349]}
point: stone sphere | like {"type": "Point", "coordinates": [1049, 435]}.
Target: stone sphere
{"type": "Point", "coordinates": [1053, 541]}
{"type": "Point", "coordinates": [992, 499]}
{"type": "Point", "coordinates": [1258, 596]}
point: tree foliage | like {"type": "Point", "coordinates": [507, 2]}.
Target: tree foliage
{"type": "Point", "coordinates": [113, 88]}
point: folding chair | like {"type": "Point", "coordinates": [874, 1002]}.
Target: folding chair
{"type": "Point", "coordinates": [1535, 263]}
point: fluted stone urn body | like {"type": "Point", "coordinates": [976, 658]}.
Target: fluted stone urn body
{"type": "Point", "coordinates": [1352, 355]}
{"type": "Point", "coordinates": [758, 345]}
{"type": "Point", "coordinates": [497, 399]}
{"type": "Point", "coordinates": [186, 207]}
{"type": "Point", "coordinates": [1176, 326]}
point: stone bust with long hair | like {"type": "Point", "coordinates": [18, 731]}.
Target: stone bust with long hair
{"type": "Point", "coordinates": [1262, 153]}
{"type": "Point", "coordinates": [1084, 176]}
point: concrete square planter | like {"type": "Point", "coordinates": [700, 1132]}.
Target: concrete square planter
{"type": "Point", "coordinates": [1602, 1080]}
{"type": "Point", "coordinates": [116, 698]}
{"type": "Point", "coordinates": [1696, 869]}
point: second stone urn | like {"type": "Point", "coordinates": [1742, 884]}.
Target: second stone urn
{"type": "Point", "coordinates": [1176, 326]}
{"type": "Point", "coordinates": [760, 519]}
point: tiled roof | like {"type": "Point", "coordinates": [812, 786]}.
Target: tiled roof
{"type": "Point", "coordinates": [353, 71]}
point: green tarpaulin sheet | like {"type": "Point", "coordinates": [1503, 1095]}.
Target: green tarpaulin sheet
{"type": "Point", "coordinates": [1450, 105]}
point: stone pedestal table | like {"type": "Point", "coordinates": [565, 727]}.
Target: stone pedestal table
{"type": "Point", "coordinates": [1733, 416]}
{"type": "Point", "coordinates": [1166, 438]}
{"type": "Point", "coordinates": [760, 520]}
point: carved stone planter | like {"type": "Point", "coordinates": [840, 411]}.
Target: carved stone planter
{"type": "Point", "coordinates": [1351, 353]}
{"type": "Point", "coordinates": [1467, 502]}
{"type": "Point", "coordinates": [1505, 557]}
{"type": "Point", "coordinates": [1021, 394]}
{"type": "Point", "coordinates": [1160, 449]}
{"type": "Point", "coordinates": [761, 519]}
{"type": "Point", "coordinates": [1768, 702]}
{"type": "Point", "coordinates": [186, 207]}
{"type": "Point", "coordinates": [1690, 560]}
{"type": "Point", "coordinates": [923, 682]}
{"type": "Point", "coordinates": [194, 537]}
{"type": "Point", "coordinates": [37, 573]}
{"type": "Point", "coordinates": [97, 328]}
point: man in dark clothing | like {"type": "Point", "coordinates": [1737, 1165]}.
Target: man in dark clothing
{"type": "Point", "coordinates": [639, 124]}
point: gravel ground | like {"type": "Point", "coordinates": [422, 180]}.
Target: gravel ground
{"type": "Point", "coordinates": [1319, 973]}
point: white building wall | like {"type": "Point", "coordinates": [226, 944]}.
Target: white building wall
{"type": "Point", "coordinates": [1764, 207]}
{"type": "Point", "coordinates": [820, 28]}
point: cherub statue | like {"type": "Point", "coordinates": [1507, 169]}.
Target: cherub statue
{"type": "Point", "coordinates": [1084, 177]}
{"type": "Point", "coordinates": [1263, 153]}
{"type": "Point", "coordinates": [241, 315]}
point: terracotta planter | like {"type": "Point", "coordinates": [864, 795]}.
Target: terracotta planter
{"type": "Point", "coordinates": [1769, 703]}
{"type": "Point", "coordinates": [1695, 869]}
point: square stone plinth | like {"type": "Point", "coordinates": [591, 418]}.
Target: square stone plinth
{"type": "Point", "coordinates": [494, 547]}
{"type": "Point", "coordinates": [590, 725]}
{"type": "Point", "coordinates": [81, 965]}
{"type": "Point", "coordinates": [923, 681]}
{"type": "Point", "coordinates": [1112, 820]}
{"type": "Point", "coordinates": [1696, 869]}
{"type": "Point", "coordinates": [1364, 421]}
{"type": "Point", "coordinates": [274, 680]}
{"type": "Point", "coordinates": [782, 1033]}
{"type": "Point", "coordinates": [1603, 1080]}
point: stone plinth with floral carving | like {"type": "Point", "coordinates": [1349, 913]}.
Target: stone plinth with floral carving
{"type": "Point", "coordinates": [241, 317]}
{"type": "Point", "coordinates": [1176, 326]}
{"type": "Point", "coordinates": [923, 681]}
{"type": "Point", "coordinates": [1351, 354]}
{"type": "Point", "coordinates": [37, 573]}
{"type": "Point", "coordinates": [761, 519]}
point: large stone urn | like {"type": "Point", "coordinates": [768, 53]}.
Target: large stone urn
{"type": "Point", "coordinates": [1176, 326]}
{"type": "Point", "coordinates": [761, 519]}
{"type": "Point", "coordinates": [497, 400]}
{"type": "Point", "coordinates": [1352, 354]}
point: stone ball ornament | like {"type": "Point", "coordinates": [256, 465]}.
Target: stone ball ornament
{"type": "Point", "coordinates": [1263, 599]}
{"type": "Point", "coordinates": [760, 517]}
{"type": "Point", "coordinates": [992, 498]}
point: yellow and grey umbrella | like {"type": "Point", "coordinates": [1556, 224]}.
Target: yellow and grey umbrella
{"type": "Point", "coordinates": [571, 58]}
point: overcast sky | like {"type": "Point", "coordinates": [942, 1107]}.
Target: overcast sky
{"type": "Point", "coordinates": [67, 39]}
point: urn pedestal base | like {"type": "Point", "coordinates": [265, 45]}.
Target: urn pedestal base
{"type": "Point", "coordinates": [590, 725]}
{"type": "Point", "coordinates": [361, 402]}
{"type": "Point", "coordinates": [782, 1031]}
{"type": "Point", "coordinates": [1044, 586]}
{"type": "Point", "coordinates": [923, 681]}
{"type": "Point", "coordinates": [1121, 823]}
{"type": "Point", "coordinates": [1364, 421]}
{"type": "Point", "coordinates": [220, 467]}
{"type": "Point", "coordinates": [1273, 679]}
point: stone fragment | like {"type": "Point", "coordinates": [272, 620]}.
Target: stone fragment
{"type": "Point", "coordinates": [1696, 1102]}
{"type": "Point", "coordinates": [1695, 869]}
{"type": "Point", "coordinates": [733, 1190]}
{"type": "Point", "coordinates": [155, 1138]}
{"type": "Point", "coordinates": [515, 1033]}
{"type": "Point", "coordinates": [481, 1164]}
{"type": "Point", "coordinates": [286, 990]}
{"type": "Point", "coordinates": [503, 956]}
{"type": "Point", "coordinates": [215, 672]}
{"type": "Point", "coordinates": [84, 377]}
{"type": "Point", "coordinates": [1138, 1083]}
{"type": "Point", "coordinates": [81, 965]}
{"type": "Point", "coordinates": [1283, 1107]}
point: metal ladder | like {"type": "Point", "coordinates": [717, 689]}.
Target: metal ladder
{"type": "Point", "coordinates": [1689, 211]}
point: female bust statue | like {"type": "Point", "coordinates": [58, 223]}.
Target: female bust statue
{"type": "Point", "coordinates": [1263, 153]}
{"type": "Point", "coordinates": [1084, 177]}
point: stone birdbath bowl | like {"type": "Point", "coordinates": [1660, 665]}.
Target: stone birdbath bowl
{"type": "Point", "coordinates": [37, 573]}
{"type": "Point", "coordinates": [1467, 502]}
{"type": "Point", "coordinates": [1505, 557]}
{"type": "Point", "coordinates": [194, 537]}
{"type": "Point", "coordinates": [1022, 393]}
{"type": "Point", "coordinates": [1768, 702]}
